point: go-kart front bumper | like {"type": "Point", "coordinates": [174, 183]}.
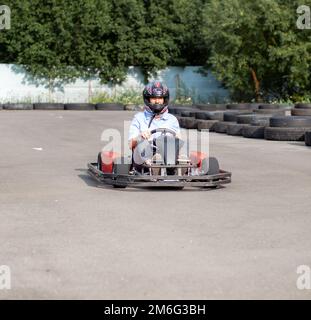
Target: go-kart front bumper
{"type": "Point", "coordinates": [223, 177]}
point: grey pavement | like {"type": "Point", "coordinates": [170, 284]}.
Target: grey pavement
{"type": "Point", "coordinates": [64, 237]}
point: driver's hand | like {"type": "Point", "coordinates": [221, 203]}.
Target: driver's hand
{"type": "Point", "coordinates": [146, 134]}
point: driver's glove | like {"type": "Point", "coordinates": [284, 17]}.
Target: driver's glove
{"type": "Point", "coordinates": [146, 134]}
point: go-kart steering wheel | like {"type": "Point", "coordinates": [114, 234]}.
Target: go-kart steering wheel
{"type": "Point", "coordinates": [163, 131]}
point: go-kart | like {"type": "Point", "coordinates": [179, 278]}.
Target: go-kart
{"type": "Point", "coordinates": [166, 168]}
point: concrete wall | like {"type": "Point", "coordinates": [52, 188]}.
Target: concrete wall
{"type": "Point", "coordinates": [14, 86]}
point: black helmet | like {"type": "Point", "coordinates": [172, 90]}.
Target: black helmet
{"type": "Point", "coordinates": [156, 90]}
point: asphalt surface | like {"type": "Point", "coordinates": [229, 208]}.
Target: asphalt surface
{"type": "Point", "coordinates": [64, 237]}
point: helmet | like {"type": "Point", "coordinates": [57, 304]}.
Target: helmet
{"type": "Point", "coordinates": [156, 90]}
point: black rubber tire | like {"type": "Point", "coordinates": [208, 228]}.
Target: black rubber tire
{"type": "Point", "coordinates": [210, 166]}
{"type": "Point", "coordinates": [188, 113]}
{"type": "Point", "coordinates": [245, 118]}
{"type": "Point", "coordinates": [235, 129]}
{"type": "Point", "coordinates": [1, 106]}
{"type": "Point", "coordinates": [260, 122]}
{"type": "Point", "coordinates": [99, 161]}
{"type": "Point", "coordinates": [201, 115]}
{"type": "Point", "coordinates": [48, 106]}
{"type": "Point", "coordinates": [286, 134]}
{"type": "Point", "coordinates": [270, 111]}
{"type": "Point", "coordinates": [18, 106]}
{"type": "Point", "coordinates": [308, 138]}
{"type": "Point", "coordinates": [254, 132]}
{"type": "Point", "coordinates": [182, 122]}
{"type": "Point", "coordinates": [239, 106]}
{"type": "Point", "coordinates": [190, 123]}
{"type": "Point", "coordinates": [211, 107]}
{"type": "Point", "coordinates": [221, 126]}
{"type": "Point", "coordinates": [206, 124]}
{"type": "Point", "coordinates": [303, 106]}
{"type": "Point", "coordinates": [179, 110]}
{"type": "Point", "coordinates": [269, 106]}
{"type": "Point", "coordinates": [289, 121]}
{"type": "Point", "coordinates": [232, 116]}
{"type": "Point", "coordinates": [109, 106]}
{"type": "Point", "coordinates": [80, 106]}
{"type": "Point", "coordinates": [120, 168]}
{"type": "Point", "coordinates": [301, 112]}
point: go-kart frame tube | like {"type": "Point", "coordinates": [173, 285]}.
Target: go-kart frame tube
{"type": "Point", "coordinates": [223, 177]}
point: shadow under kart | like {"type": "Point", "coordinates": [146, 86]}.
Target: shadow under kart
{"type": "Point", "coordinates": [197, 170]}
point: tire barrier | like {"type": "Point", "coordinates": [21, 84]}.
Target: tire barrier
{"type": "Point", "coordinates": [109, 106]}
{"type": "Point", "coordinates": [269, 106]}
{"type": "Point", "coordinates": [48, 106]}
{"type": "Point", "coordinates": [271, 111]}
{"type": "Point", "coordinates": [239, 106]}
{"type": "Point", "coordinates": [80, 106]}
{"type": "Point", "coordinates": [235, 129]}
{"type": "Point", "coordinates": [286, 133]}
{"type": "Point", "coordinates": [254, 132]}
{"type": "Point", "coordinates": [206, 124]}
{"type": "Point", "coordinates": [211, 107]}
{"type": "Point", "coordinates": [221, 126]}
{"type": "Point", "coordinates": [303, 106]}
{"type": "Point", "coordinates": [231, 116]}
{"type": "Point", "coordinates": [18, 106]}
{"type": "Point", "coordinates": [289, 121]}
{"type": "Point", "coordinates": [301, 112]}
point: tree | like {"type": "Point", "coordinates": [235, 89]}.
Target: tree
{"type": "Point", "coordinates": [256, 49]}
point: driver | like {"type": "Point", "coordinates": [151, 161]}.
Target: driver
{"type": "Point", "coordinates": [155, 115]}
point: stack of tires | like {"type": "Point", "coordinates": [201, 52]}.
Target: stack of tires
{"type": "Point", "coordinates": [18, 106]}
{"type": "Point", "coordinates": [272, 109]}
{"type": "Point", "coordinates": [288, 128]}
{"type": "Point", "coordinates": [256, 127]}
{"type": "Point", "coordinates": [229, 124]}
{"type": "Point", "coordinates": [308, 138]}
{"type": "Point", "coordinates": [301, 109]}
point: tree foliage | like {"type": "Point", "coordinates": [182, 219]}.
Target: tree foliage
{"type": "Point", "coordinates": [253, 47]}
{"type": "Point", "coordinates": [256, 49]}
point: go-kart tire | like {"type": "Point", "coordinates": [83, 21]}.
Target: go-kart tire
{"type": "Point", "coordinates": [48, 106]}
{"type": "Point", "coordinates": [285, 134]}
{"type": "Point", "coordinates": [275, 112]}
{"type": "Point", "coordinates": [235, 129]}
{"type": "Point", "coordinates": [254, 132]}
{"type": "Point", "coordinates": [210, 166]}
{"type": "Point", "coordinates": [303, 106]}
{"type": "Point", "coordinates": [301, 112]}
{"type": "Point", "coordinates": [290, 122]}
{"type": "Point", "coordinates": [109, 106]}
{"type": "Point", "coordinates": [18, 106]}
{"type": "Point", "coordinates": [79, 106]}
{"type": "Point", "coordinates": [206, 124]}
{"type": "Point", "coordinates": [221, 126]}
{"type": "Point", "coordinates": [308, 138]}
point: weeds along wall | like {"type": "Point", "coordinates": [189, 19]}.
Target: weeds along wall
{"type": "Point", "coordinates": [185, 84]}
